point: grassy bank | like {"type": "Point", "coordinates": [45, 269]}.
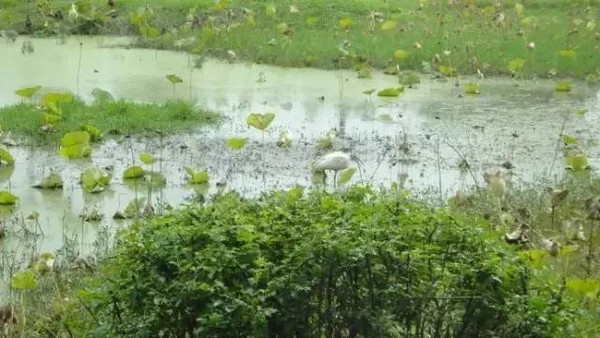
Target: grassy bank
{"type": "Point", "coordinates": [359, 263]}
{"type": "Point", "coordinates": [39, 124]}
{"type": "Point", "coordinates": [559, 37]}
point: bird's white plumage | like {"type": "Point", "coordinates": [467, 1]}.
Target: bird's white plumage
{"type": "Point", "coordinates": [333, 161]}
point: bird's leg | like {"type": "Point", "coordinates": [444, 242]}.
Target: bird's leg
{"type": "Point", "coordinates": [335, 179]}
{"type": "Point", "coordinates": [324, 179]}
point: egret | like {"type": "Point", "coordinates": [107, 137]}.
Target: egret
{"type": "Point", "coordinates": [336, 161]}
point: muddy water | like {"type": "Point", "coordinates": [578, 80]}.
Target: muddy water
{"type": "Point", "coordinates": [420, 136]}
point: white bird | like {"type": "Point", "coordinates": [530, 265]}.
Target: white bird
{"type": "Point", "coordinates": [336, 161]}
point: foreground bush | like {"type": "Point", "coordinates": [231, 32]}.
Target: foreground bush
{"type": "Point", "coordinates": [286, 265]}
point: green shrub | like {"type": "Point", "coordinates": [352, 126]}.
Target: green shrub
{"type": "Point", "coordinates": [324, 265]}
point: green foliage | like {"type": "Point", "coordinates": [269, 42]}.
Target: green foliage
{"type": "Point", "coordinates": [569, 139]}
{"type": "Point", "coordinates": [75, 145]}
{"type": "Point", "coordinates": [577, 163]}
{"type": "Point", "coordinates": [389, 25]}
{"type": "Point", "coordinates": [95, 133]}
{"type": "Point", "coordinates": [589, 288]}
{"type": "Point", "coordinates": [237, 143]}
{"type": "Point", "coordinates": [316, 263]}
{"type": "Point", "coordinates": [134, 172]}
{"type": "Point", "coordinates": [447, 71]}
{"type": "Point", "coordinates": [346, 176]}
{"type": "Point", "coordinates": [114, 117]}
{"type": "Point", "coordinates": [260, 121]}
{"type": "Point", "coordinates": [52, 181]}
{"type": "Point", "coordinates": [401, 54]}
{"type": "Point", "coordinates": [95, 180]}
{"type": "Point", "coordinates": [23, 281]}
{"type": "Point", "coordinates": [197, 177]}
{"type": "Point", "coordinates": [567, 53]}
{"type": "Point", "coordinates": [174, 79]}
{"type": "Point", "coordinates": [409, 79]}
{"type": "Point", "coordinates": [6, 198]}
{"type": "Point", "coordinates": [563, 86]}
{"type": "Point", "coordinates": [56, 98]}
{"type": "Point", "coordinates": [472, 88]}
{"type": "Point", "coordinates": [28, 92]}
{"type": "Point", "coordinates": [102, 96]}
{"type": "Point", "coordinates": [147, 158]}
{"type": "Point", "coordinates": [516, 65]}
{"type": "Point", "coordinates": [391, 92]}
{"type": "Point", "coordinates": [6, 157]}
{"type": "Point", "coordinates": [345, 23]}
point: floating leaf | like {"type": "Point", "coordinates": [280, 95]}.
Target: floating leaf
{"type": "Point", "coordinates": [23, 281]}
{"type": "Point", "coordinates": [568, 53]}
{"type": "Point", "coordinates": [447, 71]}
{"type": "Point", "coordinates": [6, 157]}
{"type": "Point", "coordinates": [581, 112]}
{"type": "Point", "coordinates": [147, 158]}
{"type": "Point", "coordinates": [174, 79]}
{"type": "Point", "coordinates": [6, 198]}
{"type": "Point", "coordinates": [237, 143]}
{"type": "Point", "coordinates": [390, 92]}
{"type": "Point", "coordinates": [134, 172]}
{"type": "Point", "coordinates": [401, 54]}
{"type": "Point", "coordinates": [75, 145]}
{"type": "Point", "coordinates": [346, 176]}
{"type": "Point", "coordinates": [52, 181]}
{"type": "Point", "coordinates": [472, 88]}
{"type": "Point", "coordinates": [516, 65]}
{"type": "Point", "coordinates": [388, 25]}
{"type": "Point", "coordinates": [102, 96]}
{"type": "Point", "coordinates": [569, 139]}
{"type": "Point", "coordinates": [95, 180]}
{"type": "Point", "coordinates": [577, 163]}
{"type": "Point", "coordinates": [345, 23]}
{"type": "Point", "coordinates": [260, 121]}
{"type": "Point", "coordinates": [28, 92]}
{"type": "Point", "coordinates": [197, 177]}
{"type": "Point", "coordinates": [563, 86]}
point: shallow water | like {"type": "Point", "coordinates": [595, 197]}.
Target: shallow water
{"type": "Point", "coordinates": [432, 123]}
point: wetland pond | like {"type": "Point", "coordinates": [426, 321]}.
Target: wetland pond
{"type": "Point", "coordinates": [419, 138]}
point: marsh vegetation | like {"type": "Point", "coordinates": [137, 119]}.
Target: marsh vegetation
{"type": "Point", "coordinates": [164, 183]}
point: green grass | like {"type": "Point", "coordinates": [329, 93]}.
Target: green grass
{"type": "Point", "coordinates": [117, 117]}
{"type": "Point", "coordinates": [475, 40]}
